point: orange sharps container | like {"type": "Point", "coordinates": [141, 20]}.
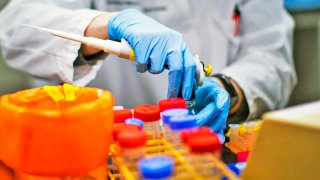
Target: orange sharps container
{"type": "Point", "coordinates": [45, 134]}
{"type": "Point", "coordinates": [5, 172]}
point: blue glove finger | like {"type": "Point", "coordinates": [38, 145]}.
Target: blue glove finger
{"type": "Point", "coordinates": [154, 57]}
{"type": "Point", "coordinates": [157, 56]}
{"type": "Point", "coordinates": [210, 111]}
{"type": "Point", "coordinates": [212, 105]}
{"type": "Point", "coordinates": [219, 122]}
{"type": "Point", "coordinates": [218, 125]}
{"type": "Point", "coordinates": [211, 117]}
{"type": "Point", "coordinates": [188, 76]}
{"type": "Point", "coordinates": [174, 61]}
{"type": "Point", "coordinates": [220, 96]}
{"type": "Point", "coordinates": [119, 24]}
{"type": "Point", "coordinates": [203, 96]}
{"type": "Point", "coordinates": [142, 62]}
{"type": "Point", "coordinates": [221, 135]}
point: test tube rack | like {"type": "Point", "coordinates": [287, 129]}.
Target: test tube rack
{"type": "Point", "coordinates": [183, 169]}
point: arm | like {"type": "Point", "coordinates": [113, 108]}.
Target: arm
{"type": "Point", "coordinates": [97, 28]}
{"type": "Point", "coordinates": [264, 67]}
{"type": "Point", "coordinates": [40, 54]}
{"type": "Point", "coordinates": [262, 71]}
{"type": "Point", "coordinates": [146, 36]}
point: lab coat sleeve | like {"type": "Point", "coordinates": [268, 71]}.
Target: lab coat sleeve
{"type": "Point", "coordinates": [41, 54]}
{"type": "Point", "coordinates": [264, 67]}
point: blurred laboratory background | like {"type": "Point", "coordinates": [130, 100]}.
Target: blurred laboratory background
{"type": "Point", "coordinates": [306, 14]}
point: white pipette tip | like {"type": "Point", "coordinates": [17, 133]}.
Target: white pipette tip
{"type": "Point", "coordinates": [61, 34]}
{"type": "Point", "coordinates": [108, 46]}
{"type": "Point", "coordinates": [33, 27]}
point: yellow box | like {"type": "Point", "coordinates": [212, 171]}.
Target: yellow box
{"type": "Point", "coordinates": [288, 145]}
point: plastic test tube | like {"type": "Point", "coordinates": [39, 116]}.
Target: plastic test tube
{"type": "Point", "coordinates": [177, 124]}
{"type": "Point", "coordinates": [150, 115]}
{"type": "Point", "coordinates": [132, 145]}
{"type": "Point", "coordinates": [167, 114]}
{"type": "Point", "coordinates": [120, 114]}
{"type": "Point", "coordinates": [134, 121]}
{"type": "Point", "coordinates": [250, 135]}
{"type": "Point", "coordinates": [117, 130]}
{"type": "Point", "coordinates": [233, 139]}
{"type": "Point", "coordinates": [203, 149]}
{"type": "Point", "coordinates": [253, 128]}
{"type": "Point", "coordinates": [157, 167]}
{"type": "Point", "coordinates": [242, 139]}
{"type": "Point", "coordinates": [171, 103]}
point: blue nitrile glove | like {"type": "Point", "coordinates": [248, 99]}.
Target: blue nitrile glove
{"type": "Point", "coordinates": [154, 46]}
{"type": "Point", "coordinates": [212, 106]}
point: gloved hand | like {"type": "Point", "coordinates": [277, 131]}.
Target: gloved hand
{"type": "Point", "coordinates": [212, 106]}
{"type": "Point", "coordinates": [154, 46]}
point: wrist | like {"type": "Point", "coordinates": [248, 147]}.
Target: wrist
{"type": "Point", "coordinates": [97, 28]}
{"type": "Point", "coordinates": [219, 82]}
{"type": "Point", "coordinates": [234, 90]}
{"type": "Point", "coordinates": [237, 88]}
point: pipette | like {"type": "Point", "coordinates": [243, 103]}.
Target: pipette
{"type": "Point", "coordinates": [121, 49]}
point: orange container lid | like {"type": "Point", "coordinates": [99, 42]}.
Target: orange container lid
{"type": "Point", "coordinates": [132, 139]}
{"type": "Point", "coordinates": [204, 143]}
{"type": "Point", "coordinates": [41, 135]}
{"type": "Point", "coordinates": [121, 115]}
{"type": "Point", "coordinates": [186, 134]}
{"type": "Point", "coordinates": [124, 127]}
{"type": "Point", "coordinates": [147, 112]}
{"type": "Point", "coordinates": [171, 103]}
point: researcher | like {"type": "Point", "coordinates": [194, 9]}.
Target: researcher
{"type": "Point", "coordinates": [248, 43]}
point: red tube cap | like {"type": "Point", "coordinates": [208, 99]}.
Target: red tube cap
{"type": "Point", "coordinates": [121, 115]}
{"type": "Point", "coordinates": [243, 156]}
{"type": "Point", "coordinates": [171, 103]}
{"type": "Point", "coordinates": [186, 134]}
{"type": "Point", "coordinates": [204, 144]}
{"type": "Point", "coordinates": [132, 139]}
{"type": "Point", "coordinates": [147, 112]}
{"type": "Point", "coordinates": [124, 128]}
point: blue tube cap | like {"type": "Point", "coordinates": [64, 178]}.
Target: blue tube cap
{"type": "Point", "coordinates": [237, 168]}
{"type": "Point", "coordinates": [167, 114]}
{"type": "Point", "coordinates": [134, 121]}
{"type": "Point", "coordinates": [182, 122]}
{"type": "Point", "coordinates": [156, 167]}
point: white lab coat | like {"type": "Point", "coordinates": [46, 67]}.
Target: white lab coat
{"type": "Point", "coordinates": [260, 59]}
